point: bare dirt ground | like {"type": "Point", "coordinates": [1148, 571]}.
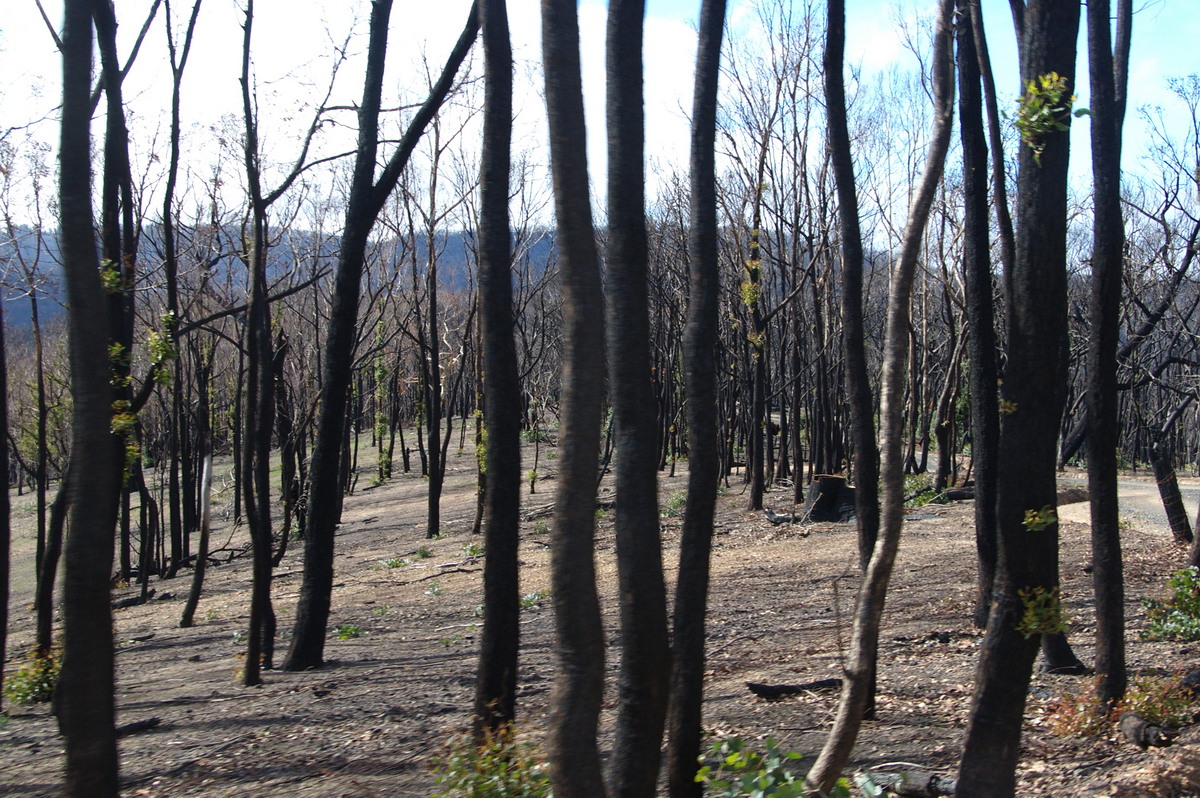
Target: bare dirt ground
{"type": "Point", "coordinates": [372, 720]}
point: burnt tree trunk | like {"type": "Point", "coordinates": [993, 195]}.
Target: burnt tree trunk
{"type": "Point", "coordinates": [578, 686]}
{"type": "Point", "coordinates": [700, 380]}
{"type": "Point", "coordinates": [1032, 396]}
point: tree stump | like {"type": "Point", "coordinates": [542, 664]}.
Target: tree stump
{"type": "Point", "coordinates": [830, 499]}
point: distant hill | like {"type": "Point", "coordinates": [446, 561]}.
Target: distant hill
{"type": "Point", "coordinates": [455, 251]}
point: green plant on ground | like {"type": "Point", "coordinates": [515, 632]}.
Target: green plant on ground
{"type": "Point", "coordinates": [675, 504]}
{"type": "Point", "coordinates": [1178, 617]}
{"type": "Point", "coordinates": [434, 589]}
{"type": "Point", "coordinates": [473, 549]}
{"type": "Point", "coordinates": [533, 599]}
{"type": "Point", "coordinates": [424, 553]}
{"type": "Point", "coordinates": [738, 772]}
{"type": "Point", "coordinates": [395, 562]}
{"type": "Point", "coordinates": [501, 766]}
{"type": "Point", "coordinates": [541, 527]}
{"type": "Point", "coordinates": [920, 488]}
{"type": "Point", "coordinates": [1079, 713]}
{"type": "Point", "coordinates": [1158, 699]}
{"type": "Point", "coordinates": [349, 631]}
{"type": "Point", "coordinates": [34, 680]}
{"type": "Point", "coordinates": [535, 435]}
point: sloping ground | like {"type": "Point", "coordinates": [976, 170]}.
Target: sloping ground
{"type": "Point", "coordinates": [400, 682]}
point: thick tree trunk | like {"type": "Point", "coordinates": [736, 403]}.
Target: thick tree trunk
{"type": "Point", "coordinates": [1032, 398]}
{"type": "Point", "coordinates": [85, 688]}
{"type": "Point", "coordinates": [645, 648]}
{"type": "Point", "coordinates": [579, 651]}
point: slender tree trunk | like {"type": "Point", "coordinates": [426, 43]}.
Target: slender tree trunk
{"type": "Point", "coordinates": [495, 691]}
{"type": "Point", "coordinates": [864, 642]}
{"type": "Point", "coordinates": [259, 402]}
{"type": "Point", "coordinates": [176, 423]}
{"type": "Point", "coordinates": [5, 528]}
{"type": "Point", "coordinates": [579, 651]}
{"type": "Point", "coordinates": [862, 404]}
{"type": "Point", "coordinates": [981, 332]}
{"type": "Point", "coordinates": [44, 599]}
{"type": "Point", "coordinates": [1108, 75]}
{"type": "Point", "coordinates": [1031, 401]}
{"type": "Point", "coordinates": [193, 599]}
{"type": "Point", "coordinates": [367, 197]}
{"type": "Point", "coordinates": [86, 705]}
{"type": "Point", "coordinates": [700, 377]}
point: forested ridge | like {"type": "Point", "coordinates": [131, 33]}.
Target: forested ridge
{"type": "Point", "coordinates": [901, 286]}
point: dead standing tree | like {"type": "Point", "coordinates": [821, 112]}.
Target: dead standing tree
{"type": "Point", "coordinates": [85, 693]}
{"type": "Point", "coordinates": [495, 691]}
{"type": "Point", "coordinates": [578, 686]}
{"type": "Point", "coordinates": [367, 197]}
{"type": "Point", "coordinates": [700, 377]}
{"type": "Point", "coordinates": [864, 642]}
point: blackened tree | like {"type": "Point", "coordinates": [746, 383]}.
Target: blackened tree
{"type": "Point", "coordinates": [495, 691]}
{"type": "Point", "coordinates": [85, 691]}
{"type": "Point", "coordinates": [700, 380]}
{"type": "Point", "coordinates": [579, 651]}
{"type": "Point", "coordinates": [1026, 601]}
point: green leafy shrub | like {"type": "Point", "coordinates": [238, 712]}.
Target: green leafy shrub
{"type": "Point", "coordinates": [499, 767]}
{"type": "Point", "coordinates": [1079, 713]}
{"type": "Point", "coordinates": [349, 631]}
{"type": "Point", "coordinates": [920, 488]}
{"type": "Point", "coordinates": [34, 680]}
{"type": "Point", "coordinates": [1158, 699]}
{"type": "Point", "coordinates": [675, 504]}
{"type": "Point", "coordinates": [739, 772]}
{"type": "Point", "coordinates": [1176, 618]}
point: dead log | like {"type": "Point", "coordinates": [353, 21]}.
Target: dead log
{"type": "Point", "coordinates": [962, 494]}
{"type": "Point", "coordinates": [915, 784]}
{"type": "Point", "coordinates": [137, 726]}
{"type": "Point", "coordinates": [782, 690]}
{"type": "Point", "coordinates": [1142, 732]}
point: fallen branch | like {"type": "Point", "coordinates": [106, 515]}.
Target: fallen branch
{"type": "Point", "coordinates": [138, 726]}
{"type": "Point", "coordinates": [781, 690]}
